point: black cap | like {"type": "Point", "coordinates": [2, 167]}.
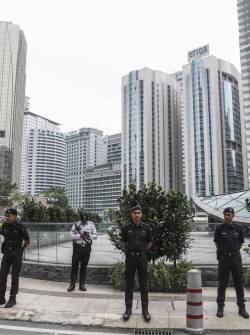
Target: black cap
{"type": "Point", "coordinates": [12, 211]}
{"type": "Point", "coordinates": [136, 208]}
{"type": "Point", "coordinates": [84, 216]}
{"type": "Point", "coordinates": [228, 210]}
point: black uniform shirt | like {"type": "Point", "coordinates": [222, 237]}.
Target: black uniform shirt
{"type": "Point", "coordinates": [137, 236]}
{"type": "Point", "coordinates": [229, 237]}
{"type": "Point", "coordinates": [14, 234]}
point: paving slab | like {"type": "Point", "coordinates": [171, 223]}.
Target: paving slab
{"type": "Point", "coordinates": [101, 306]}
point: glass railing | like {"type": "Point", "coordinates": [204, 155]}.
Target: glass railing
{"type": "Point", "coordinates": [51, 243]}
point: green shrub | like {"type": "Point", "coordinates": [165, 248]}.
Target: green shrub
{"type": "Point", "coordinates": [247, 278]}
{"type": "Point", "coordinates": [162, 277]}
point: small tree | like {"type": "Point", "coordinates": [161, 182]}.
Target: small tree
{"type": "Point", "coordinates": [172, 235]}
{"type": "Point", "coordinates": [33, 212]}
{"type": "Point", "coordinates": [169, 215]}
{"type": "Point", "coordinates": [56, 214]}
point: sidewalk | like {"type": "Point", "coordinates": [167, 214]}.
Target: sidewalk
{"type": "Point", "coordinates": [101, 306]}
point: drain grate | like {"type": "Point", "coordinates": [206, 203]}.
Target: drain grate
{"type": "Point", "coordinates": [152, 332]}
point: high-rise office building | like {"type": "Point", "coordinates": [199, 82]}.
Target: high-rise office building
{"type": "Point", "coordinates": [244, 39]}
{"type": "Point", "coordinates": [43, 154]}
{"type": "Point", "coordinates": [85, 149]}
{"type": "Point", "coordinates": [102, 187]}
{"type": "Point", "coordinates": [214, 137]}
{"type": "Point", "coordinates": [151, 130]}
{"type": "Point", "coordinates": [102, 184]}
{"type": "Point", "coordinates": [12, 93]}
{"type": "Point", "coordinates": [113, 148]}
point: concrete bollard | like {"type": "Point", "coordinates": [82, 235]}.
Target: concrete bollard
{"type": "Point", "coordinates": [194, 318]}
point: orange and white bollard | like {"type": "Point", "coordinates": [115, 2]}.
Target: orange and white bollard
{"type": "Point", "coordinates": [194, 318]}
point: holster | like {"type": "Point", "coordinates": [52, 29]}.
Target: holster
{"type": "Point", "coordinates": [3, 248]}
{"type": "Point", "coordinates": [218, 254]}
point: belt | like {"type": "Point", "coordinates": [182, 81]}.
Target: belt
{"type": "Point", "coordinates": [231, 253]}
{"type": "Point", "coordinates": [13, 248]}
{"type": "Point", "coordinates": [136, 253]}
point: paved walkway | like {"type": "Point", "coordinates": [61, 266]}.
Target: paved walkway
{"type": "Point", "coordinates": [101, 306]}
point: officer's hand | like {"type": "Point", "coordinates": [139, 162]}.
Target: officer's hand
{"type": "Point", "coordinates": [83, 236]}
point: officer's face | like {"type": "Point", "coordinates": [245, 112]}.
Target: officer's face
{"type": "Point", "coordinates": [136, 216]}
{"type": "Point", "coordinates": [10, 218]}
{"type": "Point", "coordinates": [228, 217]}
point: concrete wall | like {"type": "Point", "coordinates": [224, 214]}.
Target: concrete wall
{"type": "Point", "coordinates": [99, 274]}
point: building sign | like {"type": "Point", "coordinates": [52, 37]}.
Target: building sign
{"type": "Point", "coordinates": [198, 53]}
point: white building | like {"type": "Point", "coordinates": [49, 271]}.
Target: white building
{"type": "Point", "coordinates": [102, 187]}
{"type": "Point", "coordinates": [113, 148]}
{"type": "Point", "coordinates": [244, 39]}
{"type": "Point", "coordinates": [12, 92]}
{"type": "Point", "coordinates": [43, 154]}
{"type": "Point", "coordinates": [85, 149]}
{"type": "Point", "coordinates": [214, 137]}
{"type": "Point", "coordinates": [151, 130]}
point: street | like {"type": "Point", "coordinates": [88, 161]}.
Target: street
{"type": "Point", "coordinates": [27, 328]}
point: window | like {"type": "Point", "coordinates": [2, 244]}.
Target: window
{"type": "Point", "coordinates": [2, 133]}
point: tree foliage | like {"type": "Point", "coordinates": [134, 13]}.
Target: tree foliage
{"type": "Point", "coordinates": [33, 211]}
{"type": "Point", "coordinates": [169, 215]}
{"type": "Point", "coordinates": [57, 193]}
{"type": "Point", "coordinates": [6, 191]}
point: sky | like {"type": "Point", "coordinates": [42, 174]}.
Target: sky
{"type": "Point", "coordinates": [78, 50]}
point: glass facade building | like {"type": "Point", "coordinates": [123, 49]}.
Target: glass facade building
{"type": "Point", "coordinates": [151, 130]}
{"type": "Point", "coordinates": [215, 156]}
{"type": "Point", "coordinates": [244, 41]}
{"type": "Point", "coordinates": [12, 93]}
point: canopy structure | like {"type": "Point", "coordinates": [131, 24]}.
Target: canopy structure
{"type": "Point", "coordinates": [214, 205]}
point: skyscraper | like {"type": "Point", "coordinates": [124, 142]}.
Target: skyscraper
{"type": "Point", "coordinates": [151, 130]}
{"type": "Point", "coordinates": [113, 148]}
{"type": "Point", "coordinates": [85, 149]}
{"type": "Point", "coordinates": [12, 92]}
{"type": "Point", "coordinates": [43, 154]}
{"type": "Point", "coordinates": [214, 137]}
{"type": "Point", "coordinates": [244, 39]}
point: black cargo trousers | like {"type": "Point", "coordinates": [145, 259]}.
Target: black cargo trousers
{"type": "Point", "coordinates": [229, 264]}
{"type": "Point", "coordinates": [81, 255]}
{"type": "Point", "coordinates": [139, 264]}
{"type": "Point", "coordinates": [11, 259]}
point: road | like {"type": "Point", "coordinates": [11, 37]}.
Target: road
{"type": "Point", "coordinates": [28, 328]}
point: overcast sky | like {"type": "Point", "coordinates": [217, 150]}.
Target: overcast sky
{"type": "Point", "coordinates": [79, 50]}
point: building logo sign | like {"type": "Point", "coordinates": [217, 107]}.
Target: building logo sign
{"type": "Point", "coordinates": [198, 53]}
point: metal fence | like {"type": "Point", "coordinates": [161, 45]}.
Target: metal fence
{"type": "Point", "coordinates": [51, 243]}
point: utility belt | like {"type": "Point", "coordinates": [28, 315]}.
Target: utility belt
{"type": "Point", "coordinates": [82, 245]}
{"type": "Point", "coordinates": [135, 253]}
{"type": "Point", "coordinates": [229, 253]}
{"type": "Point", "coordinates": [10, 247]}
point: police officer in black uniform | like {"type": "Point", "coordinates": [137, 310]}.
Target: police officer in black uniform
{"type": "Point", "coordinates": [229, 238]}
{"type": "Point", "coordinates": [16, 239]}
{"type": "Point", "coordinates": [137, 239]}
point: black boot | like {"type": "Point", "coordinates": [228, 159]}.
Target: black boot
{"type": "Point", "coordinates": [11, 302]}
{"type": "Point", "coordinates": [71, 287]}
{"type": "Point", "coordinates": [243, 312]}
{"type": "Point", "coordinates": [126, 314]}
{"type": "Point", "coordinates": [145, 312]}
{"type": "Point", "coordinates": [82, 287]}
{"type": "Point", "coordinates": [220, 311]}
{"type": "Point", "coordinates": [2, 301]}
